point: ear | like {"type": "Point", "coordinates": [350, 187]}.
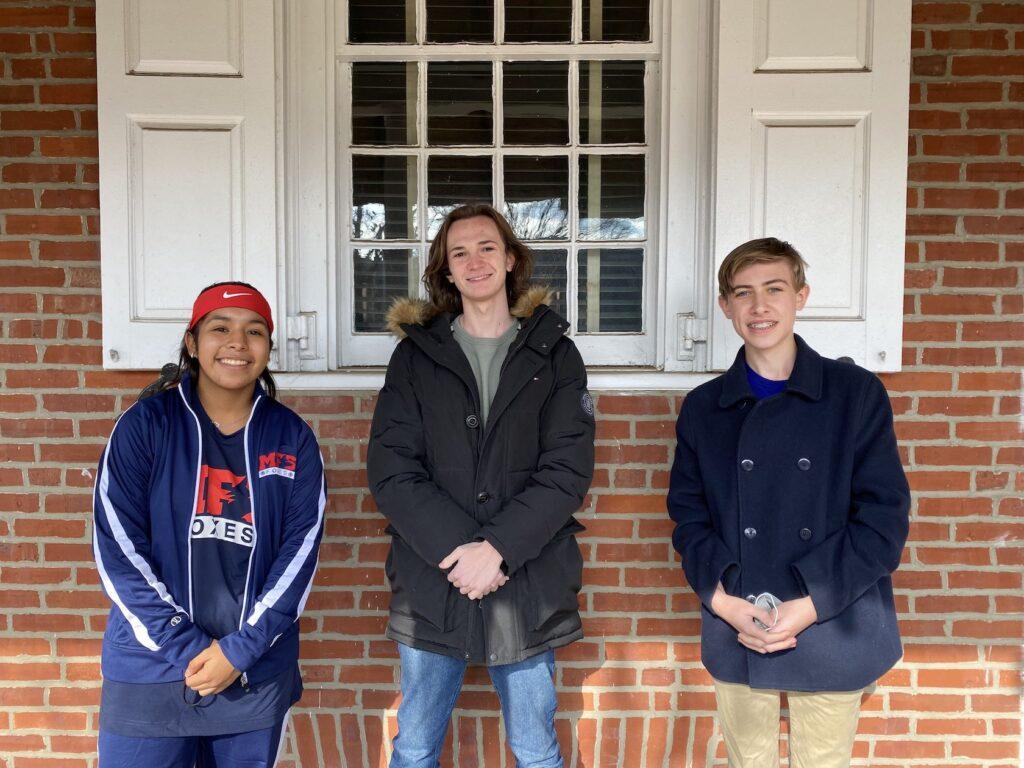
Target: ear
{"type": "Point", "coordinates": [510, 260]}
{"type": "Point", "coordinates": [190, 343]}
{"type": "Point", "coordinates": [801, 296]}
{"type": "Point", "coordinates": [724, 304]}
{"type": "Point", "coordinates": [450, 278]}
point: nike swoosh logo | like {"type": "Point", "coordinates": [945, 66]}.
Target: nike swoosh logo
{"type": "Point", "coordinates": [233, 295]}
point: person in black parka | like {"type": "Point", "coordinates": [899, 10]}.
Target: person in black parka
{"type": "Point", "coordinates": [791, 512]}
{"type": "Point", "coordinates": [481, 449]}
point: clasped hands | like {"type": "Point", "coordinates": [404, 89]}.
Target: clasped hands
{"type": "Point", "coordinates": [477, 569]}
{"type": "Point", "coordinates": [792, 618]}
{"type": "Point", "coordinates": [210, 671]}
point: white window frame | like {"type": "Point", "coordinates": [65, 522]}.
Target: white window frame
{"type": "Point", "coordinates": [678, 140]}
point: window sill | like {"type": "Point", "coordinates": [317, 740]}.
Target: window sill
{"type": "Point", "coordinates": [599, 380]}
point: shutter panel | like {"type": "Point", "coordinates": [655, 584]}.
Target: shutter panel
{"type": "Point", "coordinates": [812, 148]}
{"type": "Point", "coordinates": [187, 160]}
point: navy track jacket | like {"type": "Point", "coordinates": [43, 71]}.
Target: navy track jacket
{"type": "Point", "coordinates": [144, 504]}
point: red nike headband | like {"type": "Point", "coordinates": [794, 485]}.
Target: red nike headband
{"type": "Point", "coordinates": [230, 295]}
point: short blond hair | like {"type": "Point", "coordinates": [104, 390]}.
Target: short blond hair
{"type": "Point", "coordinates": [763, 250]}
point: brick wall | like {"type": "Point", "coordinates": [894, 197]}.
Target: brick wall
{"type": "Point", "coordinates": [633, 693]}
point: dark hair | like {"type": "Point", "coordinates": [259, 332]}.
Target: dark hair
{"type": "Point", "coordinates": [761, 251]}
{"type": "Point", "coordinates": [441, 292]}
{"type": "Point", "coordinates": [187, 362]}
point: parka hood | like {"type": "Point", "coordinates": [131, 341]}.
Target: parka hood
{"type": "Point", "coordinates": [410, 311]}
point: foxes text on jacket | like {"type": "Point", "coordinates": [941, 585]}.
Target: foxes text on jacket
{"type": "Point", "coordinates": [801, 493]}
{"type": "Point", "coordinates": [443, 478]}
{"type": "Point", "coordinates": [144, 505]}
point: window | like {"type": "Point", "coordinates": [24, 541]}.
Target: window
{"type": "Point", "coordinates": [546, 110]}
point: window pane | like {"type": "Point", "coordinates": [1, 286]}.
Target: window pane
{"type": "Point", "coordinates": [383, 103]}
{"type": "Point", "coordinates": [536, 102]}
{"type": "Point", "coordinates": [537, 197]}
{"type": "Point", "coordinates": [453, 180]}
{"type": "Point", "coordinates": [610, 290]}
{"type": "Point", "coordinates": [382, 21]}
{"type": "Point", "coordinates": [616, 20]}
{"type": "Point", "coordinates": [612, 197]}
{"type": "Point", "coordinates": [384, 197]}
{"type": "Point", "coordinates": [612, 102]}
{"type": "Point", "coordinates": [460, 21]}
{"type": "Point", "coordinates": [549, 269]}
{"type": "Point", "coordinates": [459, 109]}
{"type": "Point", "coordinates": [538, 21]}
{"type": "Point", "coordinates": [380, 276]}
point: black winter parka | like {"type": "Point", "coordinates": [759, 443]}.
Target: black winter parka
{"type": "Point", "coordinates": [443, 478]}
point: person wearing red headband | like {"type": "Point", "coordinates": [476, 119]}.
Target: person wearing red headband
{"type": "Point", "coordinates": [208, 513]}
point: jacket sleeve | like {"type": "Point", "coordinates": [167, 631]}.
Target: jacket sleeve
{"type": "Point", "coordinates": [425, 516]}
{"type": "Point", "coordinates": [122, 548]}
{"type": "Point", "coordinates": [707, 560]}
{"type": "Point", "coordinates": [565, 468]}
{"type": "Point", "coordinates": [290, 578]}
{"type": "Point", "coordinates": [847, 563]}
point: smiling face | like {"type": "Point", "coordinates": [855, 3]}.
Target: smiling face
{"type": "Point", "coordinates": [763, 305]}
{"type": "Point", "coordinates": [233, 348]}
{"type": "Point", "coordinates": [478, 260]}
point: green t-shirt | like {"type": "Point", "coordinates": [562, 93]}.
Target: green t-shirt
{"type": "Point", "coordinates": [486, 357]}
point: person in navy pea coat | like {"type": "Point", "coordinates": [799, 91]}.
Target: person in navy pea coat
{"type": "Point", "coordinates": [797, 491]}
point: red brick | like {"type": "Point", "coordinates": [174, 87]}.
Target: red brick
{"type": "Point", "coordinates": [996, 65]}
{"type": "Point", "coordinates": [957, 304]}
{"type": "Point", "coordinates": [75, 42]}
{"type": "Point", "coordinates": [995, 118]}
{"type": "Point", "coordinates": [1001, 13]}
{"type": "Point", "coordinates": [35, 17]}
{"type": "Point", "coordinates": [1010, 172]}
{"type": "Point", "coordinates": [991, 225]}
{"type": "Point", "coordinates": [69, 251]}
{"type": "Point", "coordinates": [924, 119]}
{"type": "Point", "coordinates": [967, 144]}
{"type": "Point", "coordinates": [995, 331]}
{"type": "Point", "coordinates": [955, 93]}
{"type": "Point", "coordinates": [72, 146]}
{"type": "Point", "coordinates": [48, 225]}
{"type": "Point", "coordinates": [966, 277]}
{"type": "Point", "coordinates": [73, 68]}
{"type": "Point", "coordinates": [70, 198]}
{"type": "Point", "coordinates": [961, 198]}
{"type": "Point", "coordinates": [68, 93]}
{"type": "Point", "coordinates": [940, 13]}
{"type": "Point", "coordinates": [966, 39]}
{"type": "Point", "coordinates": [921, 224]}
{"type": "Point", "coordinates": [961, 251]}
{"type": "Point", "coordinates": [32, 173]}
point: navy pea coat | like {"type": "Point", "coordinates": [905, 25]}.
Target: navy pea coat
{"type": "Point", "coordinates": [801, 493]}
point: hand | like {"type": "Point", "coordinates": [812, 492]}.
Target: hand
{"type": "Point", "coordinates": [477, 569]}
{"type": "Point", "coordinates": [794, 616]}
{"type": "Point", "coordinates": [740, 615]}
{"type": "Point", "coordinates": [210, 671]}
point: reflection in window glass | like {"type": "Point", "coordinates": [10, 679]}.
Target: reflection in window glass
{"type": "Point", "coordinates": [460, 21]}
{"type": "Point", "coordinates": [616, 20]}
{"type": "Point", "coordinates": [384, 197]}
{"type": "Point", "coordinates": [610, 283]}
{"type": "Point", "coordinates": [383, 103]}
{"type": "Point", "coordinates": [453, 180]}
{"type": "Point", "coordinates": [459, 108]}
{"type": "Point", "coordinates": [611, 204]}
{"type": "Point", "coordinates": [538, 21]}
{"type": "Point", "coordinates": [549, 269]}
{"type": "Point", "coordinates": [382, 21]}
{"type": "Point", "coordinates": [537, 197]}
{"type": "Point", "coordinates": [536, 102]}
{"type": "Point", "coordinates": [611, 102]}
{"type": "Point", "coordinates": [380, 276]}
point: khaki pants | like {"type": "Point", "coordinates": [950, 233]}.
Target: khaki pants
{"type": "Point", "coordinates": [822, 726]}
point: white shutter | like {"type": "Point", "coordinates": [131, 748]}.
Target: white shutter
{"type": "Point", "coordinates": [187, 159]}
{"type": "Point", "coordinates": [812, 109]}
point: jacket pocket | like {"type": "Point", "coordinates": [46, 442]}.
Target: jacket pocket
{"type": "Point", "coordinates": [554, 579]}
{"type": "Point", "coordinates": [418, 589]}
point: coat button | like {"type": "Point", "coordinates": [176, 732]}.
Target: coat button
{"type": "Point", "coordinates": [750, 532]}
{"type": "Point", "coordinates": [804, 464]}
{"type": "Point", "coordinates": [472, 421]}
{"type": "Point", "coordinates": [805, 534]}
{"type": "Point", "coordinates": [483, 497]}
{"type": "Point", "coordinates": [747, 464]}
{"type": "Point", "coordinates": [493, 657]}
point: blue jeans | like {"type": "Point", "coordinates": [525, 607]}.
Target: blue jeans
{"type": "Point", "coordinates": [430, 685]}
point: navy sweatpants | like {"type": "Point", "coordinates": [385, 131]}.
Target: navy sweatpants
{"type": "Point", "coordinates": [254, 749]}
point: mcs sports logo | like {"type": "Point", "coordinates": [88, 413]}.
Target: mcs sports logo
{"type": "Point", "coordinates": [276, 463]}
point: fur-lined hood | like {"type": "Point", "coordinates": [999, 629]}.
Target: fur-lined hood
{"type": "Point", "coordinates": [410, 311]}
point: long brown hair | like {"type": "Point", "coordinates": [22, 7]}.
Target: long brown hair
{"type": "Point", "coordinates": [189, 364]}
{"type": "Point", "coordinates": [442, 293]}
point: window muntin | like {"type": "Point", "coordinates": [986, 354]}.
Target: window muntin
{"type": "Point", "coordinates": [559, 136]}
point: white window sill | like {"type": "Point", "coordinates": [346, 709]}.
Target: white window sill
{"type": "Point", "coordinates": [599, 380]}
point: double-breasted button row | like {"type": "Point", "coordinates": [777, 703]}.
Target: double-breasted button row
{"type": "Point", "coordinates": [472, 421]}
{"type": "Point", "coordinates": [748, 464]}
{"type": "Point", "coordinates": [750, 532]}
{"type": "Point", "coordinates": [483, 497]}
